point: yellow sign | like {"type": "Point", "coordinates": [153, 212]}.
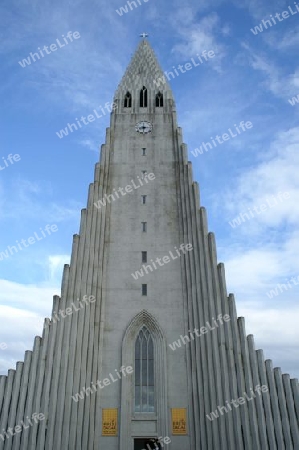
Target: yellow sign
{"type": "Point", "coordinates": [179, 421]}
{"type": "Point", "coordinates": [109, 422]}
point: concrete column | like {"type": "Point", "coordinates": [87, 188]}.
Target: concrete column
{"type": "Point", "coordinates": [90, 289]}
{"type": "Point", "coordinates": [266, 401]}
{"type": "Point", "coordinates": [248, 383]}
{"type": "Point", "coordinates": [291, 410]}
{"type": "Point", "coordinates": [97, 307]}
{"type": "Point", "coordinates": [66, 388]}
{"type": "Point", "coordinates": [240, 372]}
{"type": "Point", "coordinates": [83, 434]}
{"type": "Point", "coordinates": [14, 403]}
{"type": "Point", "coordinates": [283, 408]}
{"type": "Point", "coordinates": [213, 404]}
{"type": "Point", "coordinates": [63, 363]}
{"type": "Point", "coordinates": [93, 353]}
{"type": "Point", "coordinates": [3, 379]}
{"type": "Point", "coordinates": [221, 347]}
{"type": "Point", "coordinates": [59, 326]}
{"type": "Point", "coordinates": [80, 375]}
{"type": "Point", "coordinates": [6, 405]}
{"type": "Point", "coordinates": [36, 381]}
{"type": "Point", "coordinates": [195, 315]}
{"type": "Point", "coordinates": [193, 312]}
{"type": "Point", "coordinates": [227, 343]}
{"type": "Point", "coordinates": [258, 400]}
{"type": "Point", "coordinates": [100, 306]}
{"type": "Point", "coordinates": [47, 379]}
{"type": "Point", "coordinates": [295, 391]}
{"type": "Point", "coordinates": [22, 398]}
{"type": "Point", "coordinates": [274, 405]}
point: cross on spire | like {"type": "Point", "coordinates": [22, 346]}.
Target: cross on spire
{"type": "Point", "coordinates": [144, 35]}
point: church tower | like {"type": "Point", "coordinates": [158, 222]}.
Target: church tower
{"type": "Point", "coordinates": [144, 341]}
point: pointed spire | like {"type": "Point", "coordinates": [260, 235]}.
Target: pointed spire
{"type": "Point", "coordinates": [143, 70]}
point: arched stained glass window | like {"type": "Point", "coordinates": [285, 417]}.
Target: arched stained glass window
{"type": "Point", "coordinates": [159, 99]}
{"type": "Point", "coordinates": [144, 372]}
{"type": "Point", "coordinates": [143, 97]}
{"type": "Point", "coordinates": [128, 100]}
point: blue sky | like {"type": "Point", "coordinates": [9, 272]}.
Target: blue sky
{"type": "Point", "coordinates": [251, 78]}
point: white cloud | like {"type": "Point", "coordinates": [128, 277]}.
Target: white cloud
{"type": "Point", "coordinates": [282, 85]}
{"type": "Point", "coordinates": [201, 36]}
{"type": "Point", "coordinates": [22, 312]}
{"type": "Point", "coordinates": [30, 297]}
{"type": "Point", "coordinates": [289, 41]}
{"type": "Point", "coordinates": [91, 145]}
{"type": "Point", "coordinates": [56, 263]}
{"type": "Point", "coordinates": [263, 251]}
{"type": "Point", "coordinates": [277, 172]}
{"type": "Point", "coordinates": [26, 199]}
{"type": "Point", "coordinates": [276, 332]}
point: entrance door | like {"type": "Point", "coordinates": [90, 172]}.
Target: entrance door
{"type": "Point", "coordinates": [144, 444]}
{"type": "Point", "coordinates": [139, 444]}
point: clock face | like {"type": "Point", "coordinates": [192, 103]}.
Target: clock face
{"type": "Point", "coordinates": [144, 127]}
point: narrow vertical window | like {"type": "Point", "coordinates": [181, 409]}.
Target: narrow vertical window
{"type": "Point", "coordinates": [128, 100]}
{"type": "Point", "coordinates": [159, 100]}
{"type": "Point", "coordinates": [143, 199]}
{"type": "Point", "coordinates": [144, 152]}
{"type": "Point", "coordinates": [144, 227]}
{"type": "Point", "coordinates": [144, 289]}
{"type": "Point", "coordinates": [143, 97]}
{"type": "Point", "coordinates": [144, 257]}
{"type": "Point", "coordinates": [144, 172]}
{"type": "Point", "coordinates": [144, 372]}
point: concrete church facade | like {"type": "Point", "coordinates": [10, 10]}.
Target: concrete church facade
{"type": "Point", "coordinates": [106, 372]}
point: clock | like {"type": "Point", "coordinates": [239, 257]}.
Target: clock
{"type": "Point", "coordinates": [143, 127]}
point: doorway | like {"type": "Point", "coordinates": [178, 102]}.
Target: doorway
{"type": "Point", "coordinates": [145, 444]}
